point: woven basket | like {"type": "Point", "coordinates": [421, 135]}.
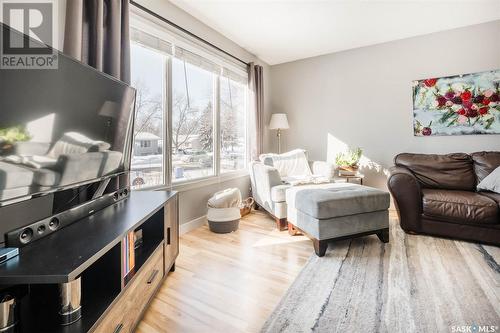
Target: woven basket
{"type": "Point", "coordinates": [246, 206]}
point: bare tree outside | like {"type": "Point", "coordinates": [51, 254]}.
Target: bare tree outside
{"type": "Point", "coordinates": [149, 111]}
{"type": "Point", "coordinates": [188, 122]}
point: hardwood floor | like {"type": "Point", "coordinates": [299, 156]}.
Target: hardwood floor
{"type": "Point", "coordinates": [227, 282]}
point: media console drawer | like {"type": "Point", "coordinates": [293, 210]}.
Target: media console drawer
{"type": "Point", "coordinates": [127, 310]}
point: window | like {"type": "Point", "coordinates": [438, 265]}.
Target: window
{"type": "Point", "coordinates": [232, 124]}
{"type": "Point", "coordinates": [192, 122]}
{"type": "Point", "coordinates": [147, 167]}
{"type": "Point", "coordinates": [191, 110]}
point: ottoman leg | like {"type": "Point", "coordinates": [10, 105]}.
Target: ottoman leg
{"type": "Point", "coordinates": [320, 247]}
{"type": "Point", "coordinates": [383, 235]}
{"type": "Point", "coordinates": [292, 230]}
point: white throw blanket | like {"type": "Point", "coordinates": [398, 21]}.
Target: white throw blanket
{"type": "Point", "coordinates": [294, 169]}
{"type": "Point", "coordinates": [302, 180]}
{"type": "Point", "coordinates": [290, 164]}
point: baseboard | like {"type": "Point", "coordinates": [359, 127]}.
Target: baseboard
{"type": "Point", "coordinates": [193, 224]}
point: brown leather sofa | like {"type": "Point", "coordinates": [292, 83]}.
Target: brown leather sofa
{"type": "Point", "coordinates": [436, 195]}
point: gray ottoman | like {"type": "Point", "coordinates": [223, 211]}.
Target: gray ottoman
{"type": "Point", "coordinates": [326, 214]}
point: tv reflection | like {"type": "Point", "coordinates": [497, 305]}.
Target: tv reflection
{"type": "Point", "coordinates": [32, 161]}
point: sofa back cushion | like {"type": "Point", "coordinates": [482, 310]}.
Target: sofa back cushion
{"type": "Point", "coordinates": [451, 172]}
{"type": "Point", "coordinates": [485, 162]}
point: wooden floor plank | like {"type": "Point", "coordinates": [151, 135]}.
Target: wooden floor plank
{"type": "Point", "coordinates": [229, 282]}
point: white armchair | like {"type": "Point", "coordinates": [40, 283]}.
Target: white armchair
{"type": "Point", "coordinates": [269, 187]}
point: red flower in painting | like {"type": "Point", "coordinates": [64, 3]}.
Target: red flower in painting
{"type": "Point", "coordinates": [430, 82]}
{"type": "Point", "coordinates": [466, 95]}
{"type": "Point", "coordinates": [441, 100]}
{"type": "Point", "coordinates": [426, 131]}
{"type": "Point", "coordinates": [484, 110]}
{"type": "Point", "coordinates": [471, 113]}
{"type": "Point", "coordinates": [461, 112]}
{"type": "Point", "coordinates": [467, 104]}
{"type": "Point", "coordinates": [494, 98]}
{"type": "Point", "coordinates": [478, 99]}
{"type": "Point", "coordinates": [449, 94]}
{"type": "Point", "coordinates": [485, 101]}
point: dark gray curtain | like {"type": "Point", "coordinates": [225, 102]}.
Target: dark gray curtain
{"type": "Point", "coordinates": [256, 87]}
{"type": "Point", "coordinates": [97, 33]}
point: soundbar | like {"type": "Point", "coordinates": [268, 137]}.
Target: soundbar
{"type": "Point", "coordinates": [32, 232]}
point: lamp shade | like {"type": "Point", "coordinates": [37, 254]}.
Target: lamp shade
{"type": "Point", "coordinates": [278, 121]}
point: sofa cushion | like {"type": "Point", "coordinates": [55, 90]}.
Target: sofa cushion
{"type": "Point", "coordinates": [493, 196]}
{"type": "Point", "coordinates": [451, 172]}
{"type": "Point", "coordinates": [326, 203]}
{"type": "Point", "coordinates": [491, 182]}
{"type": "Point", "coordinates": [485, 162]}
{"type": "Point", "coordinates": [460, 206]}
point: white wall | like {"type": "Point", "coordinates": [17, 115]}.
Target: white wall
{"type": "Point", "coordinates": [363, 97]}
{"type": "Point", "coordinates": [193, 202]}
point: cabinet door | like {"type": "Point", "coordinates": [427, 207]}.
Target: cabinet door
{"type": "Point", "coordinates": [125, 313]}
{"type": "Point", "coordinates": [171, 232]}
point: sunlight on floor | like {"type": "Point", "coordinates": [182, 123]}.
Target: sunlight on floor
{"type": "Point", "coordinates": [267, 241]}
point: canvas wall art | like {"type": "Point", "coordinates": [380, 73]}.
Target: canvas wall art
{"type": "Point", "coordinates": [457, 105]}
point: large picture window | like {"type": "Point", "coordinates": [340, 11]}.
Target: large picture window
{"type": "Point", "coordinates": [147, 167]}
{"type": "Point", "coordinates": [232, 124]}
{"type": "Point", "coordinates": [190, 114]}
{"type": "Point", "coordinates": [192, 122]}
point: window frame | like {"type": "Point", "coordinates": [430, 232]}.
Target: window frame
{"type": "Point", "coordinates": [145, 22]}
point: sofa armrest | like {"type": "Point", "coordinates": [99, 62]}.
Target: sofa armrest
{"type": "Point", "coordinates": [407, 194]}
{"type": "Point", "coordinates": [323, 168]}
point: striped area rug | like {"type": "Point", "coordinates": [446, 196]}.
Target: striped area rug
{"type": "Point", "coordinates": [412, 284]}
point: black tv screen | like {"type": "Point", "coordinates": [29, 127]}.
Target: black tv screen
{"type": "Point", "coordinates": [61, 127]}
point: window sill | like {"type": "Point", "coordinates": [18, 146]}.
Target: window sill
{"type": "Point", "coordinates": [198, 183]}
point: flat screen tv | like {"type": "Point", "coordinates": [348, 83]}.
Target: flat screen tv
{"type": "Point", "coordinates": [61, 128]}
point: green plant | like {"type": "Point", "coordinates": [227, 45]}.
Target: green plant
{"type": "Point", "coordinates": [349, 158]}
{"type": "Point", "coordinates": [14, 134]}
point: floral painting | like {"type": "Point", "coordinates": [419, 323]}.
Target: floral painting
{"type": "Point", "coordinates": [457, 105]}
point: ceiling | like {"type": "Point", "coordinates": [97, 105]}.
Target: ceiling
{"type": "Point", "coordinates": [279, 31]}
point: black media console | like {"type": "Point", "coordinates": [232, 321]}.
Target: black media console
{"type": "Point", "coordinates": [114, 286]}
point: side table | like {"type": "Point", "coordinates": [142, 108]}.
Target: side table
{"type": "Point", "coordinates": [359, 177]}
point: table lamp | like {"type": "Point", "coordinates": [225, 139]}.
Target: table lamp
{"type": "Point", "coordinates": [279, 122]}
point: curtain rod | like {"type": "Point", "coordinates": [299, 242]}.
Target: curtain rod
{"type": "Point", "coordinates": [185, 31]}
